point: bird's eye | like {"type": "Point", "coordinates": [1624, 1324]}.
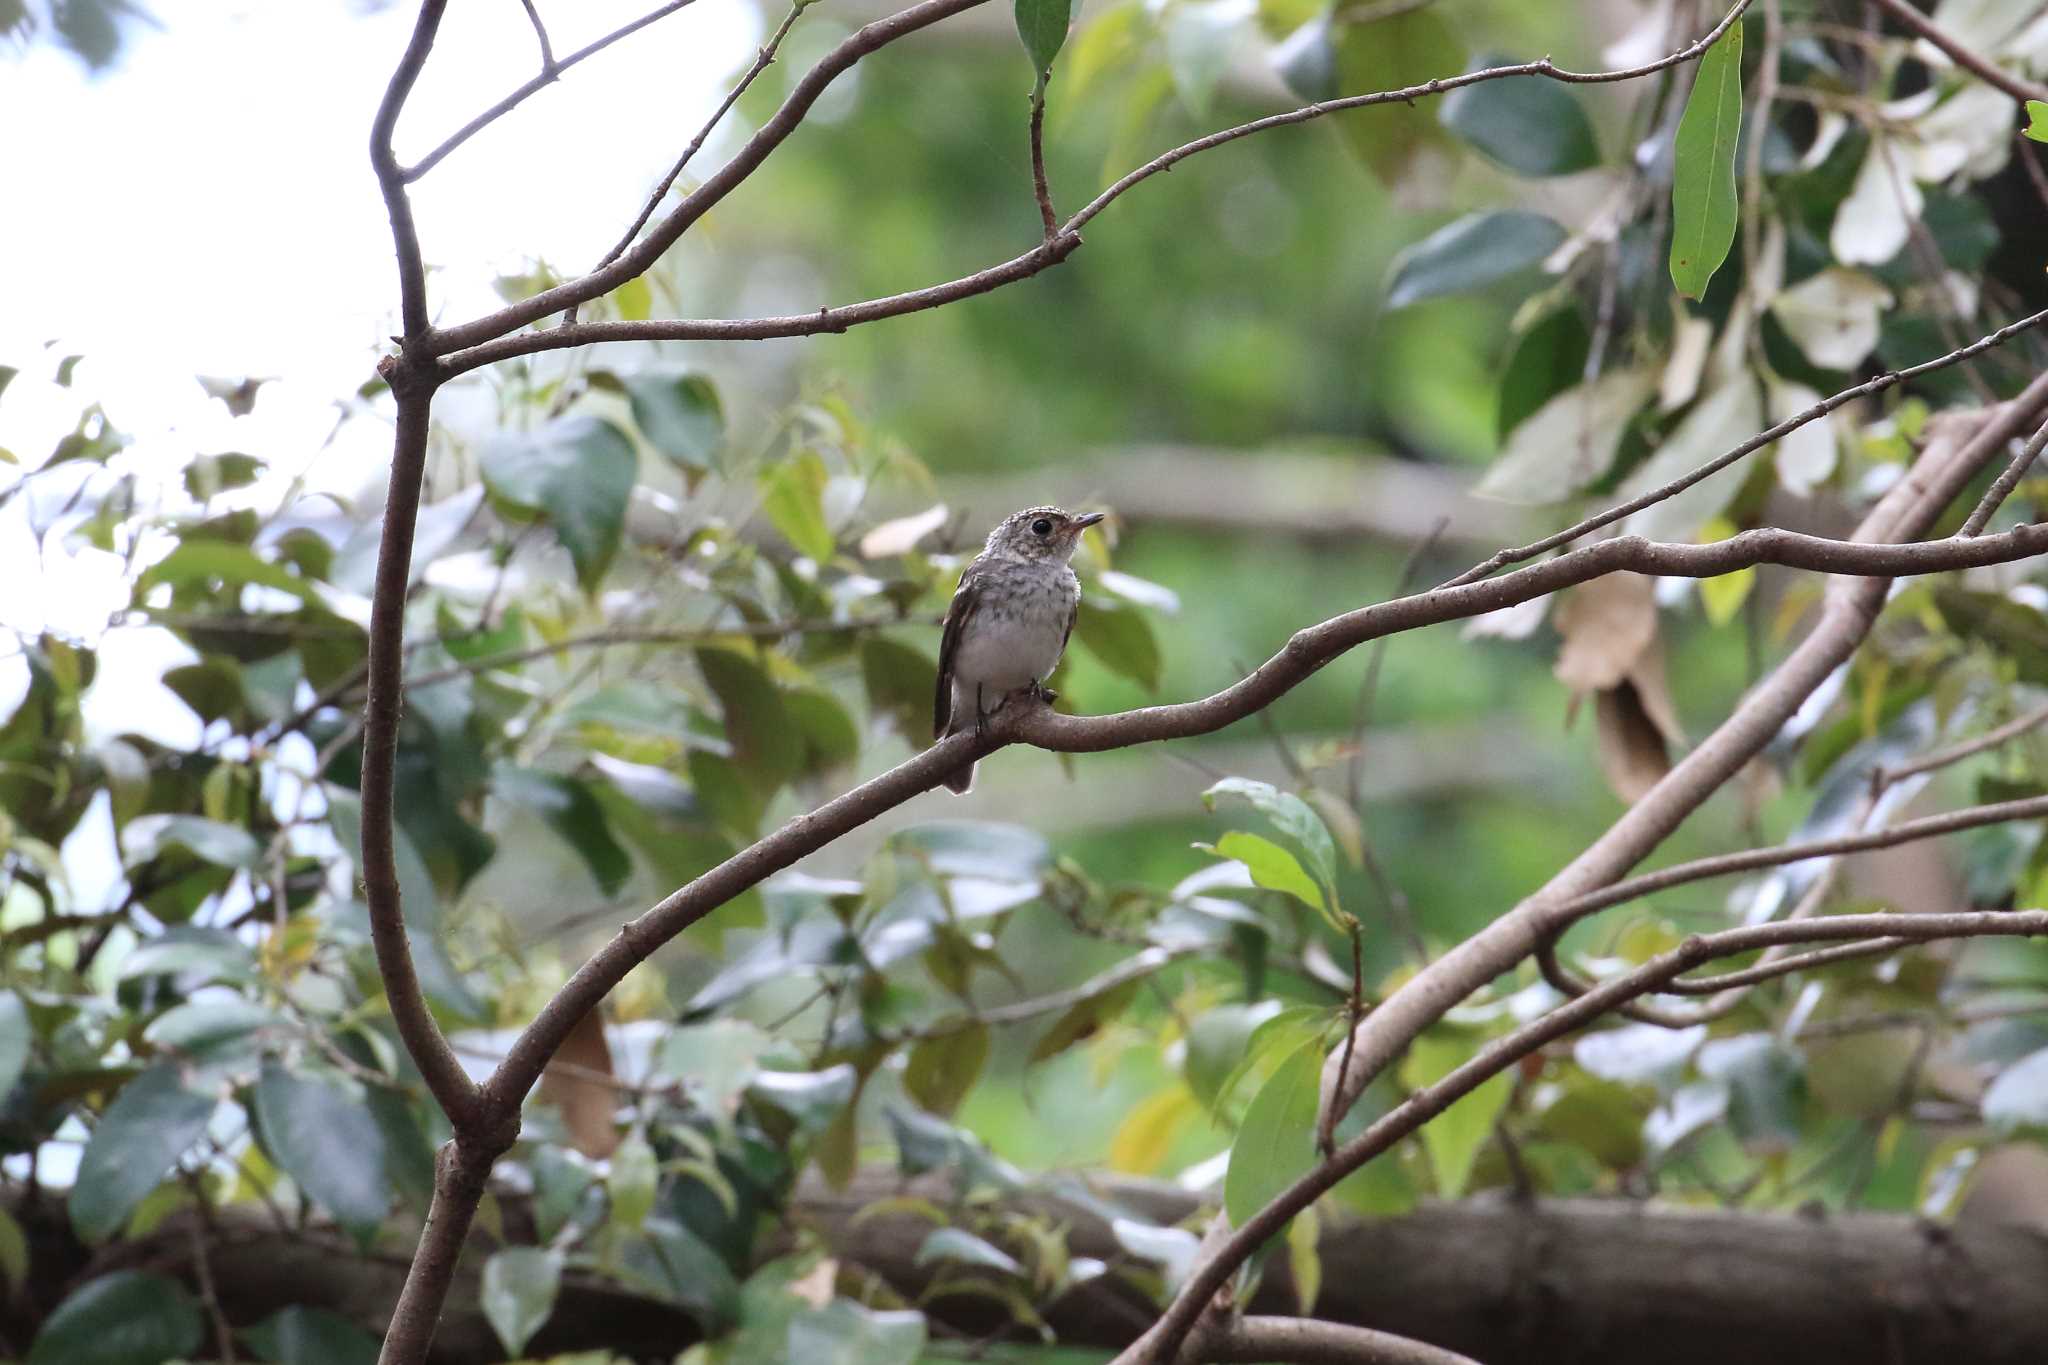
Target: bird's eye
{"type": "Point", "coordinates": [1041, 527]}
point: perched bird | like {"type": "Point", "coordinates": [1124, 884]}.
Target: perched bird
{"type": "Point", "coordinates": [1009, 621]}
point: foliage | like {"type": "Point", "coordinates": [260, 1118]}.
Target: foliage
{"type": "Point", "coordinates": [649, 623]}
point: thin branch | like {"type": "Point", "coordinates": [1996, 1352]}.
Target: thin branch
{"type": "Point", "coordinates": [824, 320]}
{"type": "Point", "coordinates": [540, 31]}
{"type": "Point", "coordinates": [2019, 87]}
{"type": "Point", "coordinates": [1308, 651]}
{"type": "Point", "coordinates": [634, 261]}
{"type": "Point", "coordinates": [1969, 748]}
{"type": "Point", "coordinates": [1039, 189]}
{"type": "Point", "coordinates": [464, 347]}
{"type": "Point", "coordinates": [2007, 480]}
{"type": "Point", "coordinates": [1543, 67]}
{"type": "Point", "coordinates": [549, 73]}
{"type": "Point", "coordinates": [1134, 968]}
{"type": "Point", "coordinates": [412, 270]}
{"type": "Point", "coordinates": [1776, 432]}
{"type": "Point", "coordinates": [1307, 1341]}
{"type": "Point", "coordinates": [762, 61]}
{"type": "Point", "coordinates": [1160, 1344]}
{"type": "Point", "coordinates": [445, 1078]}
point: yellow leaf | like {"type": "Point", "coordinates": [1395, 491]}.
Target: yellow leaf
{"type": "Point", "coordinates": [1146, 1135]}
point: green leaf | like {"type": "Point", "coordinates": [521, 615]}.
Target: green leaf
{"type": "Point", "coordinates": [578, 472]}
{"type": "Point", "coordinates": [1766, 1090]}
{"type": "Point", "coordinates": [942, 1070]}
{"type": "Point", "coordinates": [126, 1318]}
{"type": "Point", "coordinates": [221, 844]}
{"type": "Point", "coordinates": [300, 1335]}
{"type": "Point", "coordinates": [1276, 1143]}
{"type": "Point", "coordinates": [519, 1286]}
{"type": "Point", "coordinates": [211, 474]}
{"type": "Point", "coordinates": [2013, 629]}
{"type": "Point", "coordinates": [631, 1185]}
{"type": "Point", "coordinates": [680, 416]}
{"type": "Point", "coordinates": [1703, 191]}
{"type": "Point", "coordinates": [767, 746]}
{"type": "Point", "coordinates": [1476, 250]}
{"type": "Point", "coordinates": [572, 812]}
{"type": "Point", "coordinates": [210, 1030]}
{"type": "Point", "coordinates": [1528, 124]}
{"type": "Point", "coordinates": [844, 1333]}
{"type": "Point", "coordinates": [14, 1040]}
{"type": "Point", "coordinates": [1120, 636]}
{"type": "Point", "coordinates": [328, 1143]}
{"type": "Point", "coordinates": [1406, 48]}
{"type": "Point", "coordinates": [1547, 360]}
{"type": "Point", "coordinates": [898, 681]}
{"type": "Point", "coordinates": [151, 1123]}
{"type": "Point", "coordinates": [204, 561]}
{"type": "Point", "coordinates": [1271, 866]}
{"type": "Point", "coordinates": [1082, 1019]}
{"type": "Point", "coordinates": [2037, 120]}
{"type": "Point", "coordinates": [1454, 1137]}
{"type": "Point", "coordinates": [1293, 816]}
{"type": "Point", "coordinates": [793, 496]}
{"type": "Point", "coordinates": [1043, 25]}
{"type": "Point", "coordinates": [13, 1255]}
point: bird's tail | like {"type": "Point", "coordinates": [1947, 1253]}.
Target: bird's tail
{"type": "Point", "coordinates": [961, 782]}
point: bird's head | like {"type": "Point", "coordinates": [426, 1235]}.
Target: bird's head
{"type": "Point", "coordinates": [1040, 533]}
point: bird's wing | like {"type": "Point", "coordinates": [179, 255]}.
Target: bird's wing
{"type": "Point", "coordinates": [965, 597]}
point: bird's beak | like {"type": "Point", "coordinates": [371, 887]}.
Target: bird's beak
{"type": "Point", "coordinates": [1084, 522]}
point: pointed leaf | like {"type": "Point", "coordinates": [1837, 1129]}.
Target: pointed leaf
{"type": "Point", "coordinates": [1276, 1143]}
{"type": "Point", "coordinates": [519, 1285]}
{"type": "Point", "coordinates": [328, 1142]}
{"type": "Point", "coordinates": [578, 472]}
{"type": "Point", "coordinates": [1528, 124]}
{"type": "Point", "coordinates": [126, 1318]}
{"type": "Point", "coordinates": [1043, 25]}
{"type": "Point", "coordinates": [1472, 252]}
{"type": "Point", "coordinates": [1703, 193]}
{"type": "Point", "coordinates": [942, 1070]}
{"type": "Point", "coordinates": [680, 416]}
{"type": "Point", "coordinates": [151, 1123]}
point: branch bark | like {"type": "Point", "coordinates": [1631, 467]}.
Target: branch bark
{"type": "Point", "coordinates": [2019, 87]}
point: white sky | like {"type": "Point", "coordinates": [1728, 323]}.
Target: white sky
{"type": "Point", "coordinates": [207, 207]}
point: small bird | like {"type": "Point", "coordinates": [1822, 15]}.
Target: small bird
{"type": "Point", "coordinates": [1009, 621]}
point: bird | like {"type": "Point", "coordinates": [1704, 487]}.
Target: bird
{"type": "Point", "coordinates": [1008, 623]}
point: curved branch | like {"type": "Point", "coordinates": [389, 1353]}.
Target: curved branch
{"type": "Point", "coordinates": [1306, 653]}
{"type": "Point", "coordinates": [2019, 87]}
{"type": "Point", "coordinates": [469, 340]}
{"type": "Point", "coordinates": [863, 41]}
{"type": "Point", "coordinates": [1048, 253]}
{"type": "Point", "coordinates": [1306, 1341]}
{"type": "Point", "coordinates": [1160, 1343]}
{"type": "Point", "coordinates": [1951, 459]}
{"type": "Point", "coordinates": [550, 72]}
{"type": "Point", "coordinates": [446, 1080]}
{"type": "Point", "coordinates": [391, 180]}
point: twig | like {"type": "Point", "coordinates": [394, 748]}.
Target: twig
{"type": "Point", "coordinates": [2020, 88]}
{"type": "Point", "coordinates": [762, 61]}
{"type": "Point", "coordinates": [1039, 189]}
{"type": "Point", "coordinates": [2007, 480]}
{"type": "Point", "coordinates": [1777, 431]}
{"type": "Point", "coordinates": [391, 180]}
{"type": "Point", "coordinates": [1956, 753]}
{"type": "Point", "coordinates": [549, 73]}
{"type": "Point", "coordinates": [1209, 1275]}
{"type": "Point", "coordinates": [199, 1228]}
{"type": "Point", "coordinates": [540, 31]}
{"type": "Point", "coordinates": [1308, 1341]}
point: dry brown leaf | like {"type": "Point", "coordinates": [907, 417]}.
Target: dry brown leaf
{"type": "Point", "coordinates": [580, 1087]}
{"type": "Point", "coordinates": [1606, 625]}
{"type": "Point", "coordinates": [1633, 758]}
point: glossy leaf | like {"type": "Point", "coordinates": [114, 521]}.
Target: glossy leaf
{"type": "Point", "coordinates": [2037, 120]}
{"type": "Point", "coordinates": [962, 1246]}
{"type": "Point", "coordinates": [1271, 866]}
{"type": "Point", "coordinates": [1703, 191]}
{"type": "Point", "coordinates": [572, 812]}
{"type": "Point", "coordinates": [153, 1121]}
{"type": "Point", "coordinates": [1081, 1020]}
{"type": "Point", "coordinates": [1293, 817]}
{"type": "Point", "coordinates": [1406, 48]}
{"type": "Point", "coordinates": [680, 415]}
{"type": "Point", "coordinates": [217, 842]}
{"type": "Point", "coordinates": [767, 747]}
{"type": "Point", "coordinates": [1276, 1142]}
{"type": "Point", "coordinates": [793, 496]}
{"type": "Point", "coordinates": [898, 681]}
{"type": "Point", "coordinates": [632, 1181]}
{"type": "Point", "coordinates": [126, 1318]}
{"type": "Point", "coordinates": [300, 1335]}
{"type": "Point", "coordinates": [578, 472]}
{"type": "Point", "coordinates": [1528, 124]}
{"type": "Point", "coordinates": [519, 1286]}
{"type": "Point", "coordinates": [328, 1143]}
{"type": "Point", "coordinates": [1471, 253]}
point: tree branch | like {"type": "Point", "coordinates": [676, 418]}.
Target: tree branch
{"type": "Point", "coordinates": [762, 61]}
{"type": "Point", "coordinates": [1950, 460]}
{"type": "Point", "coordinates": [445, 1078]}
{"type": "Point", "coordinates": [2007, 480]}
{"type": "Point", "coordinates": [2019, 87]}
{"type": "Point", "coordinates": [1160, 1343]}
{"type": "Point", "coordinates": [634, 261]}
{"type": "Point", "coordinates": [412, 270]}
{"type": "Point", "coordinates": [550, 72]}
{"type": "Point", "coordinates": [1306, 1341]}
{"type": "Point", "coordinates": [464, 348]}
{"type": "Point", "coordinates": [1040, 191]}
